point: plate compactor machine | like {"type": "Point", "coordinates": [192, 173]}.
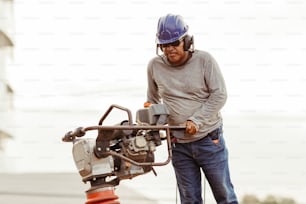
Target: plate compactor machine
{"type": "Point", "coordinates": [121, 151]}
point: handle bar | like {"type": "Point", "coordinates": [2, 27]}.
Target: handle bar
{"type": "Point", "coordinates": [79, 132]}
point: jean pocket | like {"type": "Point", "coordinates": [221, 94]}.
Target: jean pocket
{"type": "Point", "coordinates": [215, 135]}
{"type": "Point", "coordinates": [215, 141]}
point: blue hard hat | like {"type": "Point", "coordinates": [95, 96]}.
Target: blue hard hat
{"type": "Point", "coordinates": [170, 28]}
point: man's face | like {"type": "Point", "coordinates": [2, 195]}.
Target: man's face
{"type": "Point", "coordinates": [175, 52]}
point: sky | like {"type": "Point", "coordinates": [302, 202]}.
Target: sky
{"type": "Point", "coordinates": [73, 52]}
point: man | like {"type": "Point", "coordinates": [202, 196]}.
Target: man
{"type": "Point", "coordinates": [189, 82]}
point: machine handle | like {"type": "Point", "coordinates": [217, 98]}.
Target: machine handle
{"type": "Point", "coordinates": [70, 136]}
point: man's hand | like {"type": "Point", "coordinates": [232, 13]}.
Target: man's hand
{"type": "Point", "coordinates": [191, 127]}
{"type": "Point", "coordinates": [147, 104]}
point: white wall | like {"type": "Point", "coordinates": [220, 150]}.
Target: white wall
{"type": "Point", "coordinates": [6, 93]}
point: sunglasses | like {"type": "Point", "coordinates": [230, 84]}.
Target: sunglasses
{"type": "Point", "coordinates": [174, 44]}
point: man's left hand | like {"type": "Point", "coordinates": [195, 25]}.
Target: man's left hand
{"type": "Point", "coordinates": [191, 127]}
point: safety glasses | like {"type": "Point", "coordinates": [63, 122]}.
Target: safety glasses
{"type": "Point", "coordinates": [174, 44]}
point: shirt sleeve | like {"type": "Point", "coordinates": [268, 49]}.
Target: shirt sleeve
{"type": "Point", "coordinates": [217, 94]}
{"type": "Point", "coordinates": [152, 89]}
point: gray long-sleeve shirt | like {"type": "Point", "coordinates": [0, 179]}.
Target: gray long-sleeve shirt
{"type": "Point", "coordinates": [194, 91]}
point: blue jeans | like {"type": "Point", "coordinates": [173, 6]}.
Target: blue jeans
{"type": "Point", "coordinates": [210, 156]}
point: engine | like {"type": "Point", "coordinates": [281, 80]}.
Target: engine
{"type": "Point", "coordinates": [122, 151]}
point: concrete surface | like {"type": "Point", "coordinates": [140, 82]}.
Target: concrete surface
{"type": "Point", "coordinates": [55, 188]}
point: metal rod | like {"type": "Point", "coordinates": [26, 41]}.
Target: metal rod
{"type": "Point", "coordinates": [134, 127]}
{"type": "Point", "coordinates": [130, 119]}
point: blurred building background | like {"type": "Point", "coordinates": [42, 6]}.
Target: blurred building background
{"type": "Point", "coordinates": [6, 54]}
